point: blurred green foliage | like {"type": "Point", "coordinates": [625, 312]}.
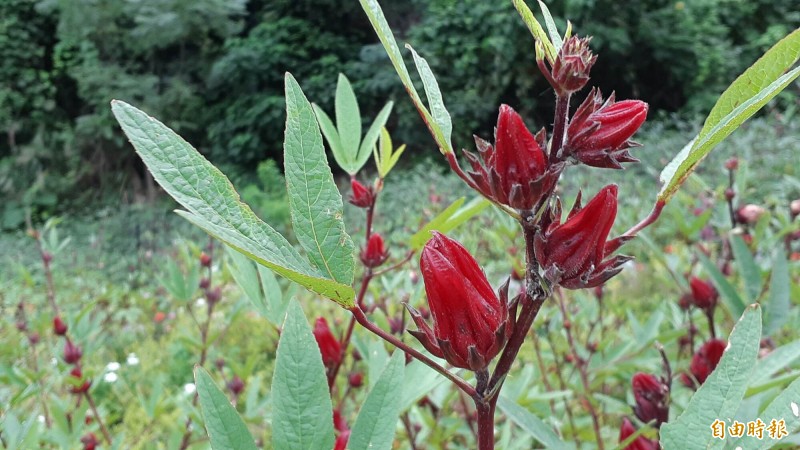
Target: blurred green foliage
{"type": "Point", "coordinates": [213, 71]}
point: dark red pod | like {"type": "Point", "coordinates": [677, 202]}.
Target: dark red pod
{"type": "Point", "coordinates": [59, 327]}
{"type": "Point", "coordinates": [704, 295]}
{"type": "Point", "coordinates": [72, 353]}
{"type": "Point", "coordinates": [514, 171]}
{"type": "Point", "coordinates": [572, 66]}
{"type": "Point", "coordinates": [362, 196]}
{"type": "Point", "coordinates": [704, 362]}
{"type": "Point", "coordinates": [599, 132]}
{"type": "Point", "coordinates": [470, 322]}
{"type": "Point", "coordinates": [375, 253]}
{"type": "Point", "coordinates": [640, 443]}
{"type": "Point", "coordinates": [329, 346]}
{"type": "Point", "coordinates": [652, 398]}
{"type": "Point", "coordinates": [573, 253]}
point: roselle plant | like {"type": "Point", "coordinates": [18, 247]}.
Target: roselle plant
{"type": "Point", "coordinates": [474, 331]}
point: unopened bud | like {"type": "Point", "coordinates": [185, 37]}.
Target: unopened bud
{"type": "Point", "coordinates": [47, 257]}
{"type": "Point", "coordinates": [22, 326]}
{"type": "Point", "coordinates": [362, 196]}
{"type": "Point", "coordinates": [749, 214]}
{"type": "Point", "coordinates": [72, 353]}
{"type": "Point", "coordinates": [214, 295]}
{"type": "Point", "coordinates": [794, 208]}
{"type": "Point", "coordinates": [33, 338]}
{"type": "Point", "coordinates": [567, 324]}
{"type": "Point", "coordinates": [89, 441]}
{"type": "Point", "coordinates": [236, 385]}
{"type": "Point", "coordinates": [204, 283]}
{"type": "Point", "coordinates": [356, 379]}
{"type": "Point", "coordinates": [729, 194]}
{"type": "Point", "coordinates": [219, 363]}
{"type": "Point", "coordinates": [59, 327]}
{"type": "Point", "coordinates": [205, 259]}
{"type": "Point", "coordinates": [732, 163]}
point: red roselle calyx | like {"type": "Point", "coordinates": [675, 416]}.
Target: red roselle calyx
{"type": "Point", "coordinates": [205, 259]}
{"type": "Point", "coordinates": [79, 384]}
{"type": "Point", "coordinates": [749, 214]}
{"type": "Point", "coordinates": [704, 362]}
{"type": "Point", "coordinates": [704, 295]}
{"type": "Point", "coordinates": [640, 443]}
{"type": "Point", "coordinates": [236, 385]}
{"type": "Point", "coordinates": [89, 441]}
{"type": "Point", "coordinates": [573, 253]}
{"type": "Point", "coordinates": [570, 70]}
{"type": "Point", "coordinates": [356, 379]}
{"type": "Point", "coordinates": [375, 254]}
{"type": "Point", "coordinates": [599, 133]}
{"type": "Point", "coordinates": [732, 163]}
{"type": "Point", "coordinates": [362, 196]}
{"type": "Point", "coordinates": [329, 346]}
{"type": "Point", "coordinates": [59, 327]}
{"type": "Point", "coordinates": [72, 353]}
{"type": "Point", "coordinates": [652, 398]}
{"type": "Point", "coordinates": [470, 322]}
{"type": "Point", "coordinates": [514, 171]}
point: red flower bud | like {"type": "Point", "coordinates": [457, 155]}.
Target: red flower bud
{"type": "Point", "coordinates": [599, 133]}
{"type": "Point", "coordinates": [214, 295]}
{"type": "Point", "coordinates": [514, 172]}
{"type": "Point", "coordinates": [363, 197]}
{"type": "Point", "coordinates": [22, 326]}
{"type": "Point", "coordinates": [89, 441]}
{"type": "Point", "coordinates": [375, 254]}
{"type": "Point", "coordinates": [329, 346]}
{"type": "Point", "coordinates": [205, 259]}
{"type": "Point", "coordinates": [204, 283]}
{"type": "Point", "coordinates": [573, 253]}
{"type": "Point", "coordinates": [652, 398]}
{"type": "Point", "coordinates": [571, 68]}
{"type": "Point", "coordinates": [47, 257]}
{"type": "Point", "coordinates": [59, 327]}
{"type": "Point", "coordinates": [640, 443]}
{"type": "Point", "coordinates": [219, 363]}
{"type": "Point", "coordinates": [33, 338]}
{"type": "Point", "coordinates": [704, 362]}
{"type": "Point", "coordinates": [236, 385]}
{"type": "Point", "coordinates": [729, 194]}
{"type": "Point", "coordinates": [470, 323]}
{"type": "Point", "coordinates": [72, 353]}
{"type": "Point", "coordinates": [159, 317]}
{"type": "Point", "coordinates": [356, 379]}
{"type": "Point", "coordinates": [686, 301]}
{"type": "Point", "coordinates": [749, 214]}
{"type": "Point", "coordinates": [732, 163]}
{"type": "Point", "coordinates": [704, 295]}
{"type": "Point", "coordinates": [79, 385]}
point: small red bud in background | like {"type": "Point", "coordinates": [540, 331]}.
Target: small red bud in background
{"type": "Point", "coordinates": [22, 326]}
{"type": "Point", "coordinates": [205, 259]}
{"type": "Point", "coordinates": [567, 324]}
{"type": "Point", "coordinates": [362, 196]}
{"type": "Point", "coordinates": [88, 420]}
{"type": "Point", "coordinates": [732, 163]}
{"type": "Point", "coordinates": [236, 385]}
{"type": "Point", "coordinates": [412, 275]}
{"type": "Point", "coordinates": [592, 346]}
{"type": "Point", "coordinates": [72, 353]}
{"type": "Point", "coordinates": [729, 194]}
{"type": "Point", "coordinates": [89, 441]}
{"type": "Point", "coordinates": [329, 346]}
{"type": "Point", "coordinates": [33, 338]}
{"type": "Point", "coordinates": [375, 254]}
{"type": "Point", "coordinates": [640, 443]}
{"type": "Point", "coordinates": [47, 257]}
{"type": "Point", "coordinates": [204, 283]}
{"type": "Point", "coordinates": [59, 327]}
{"type": "Point", "coordinates": [395, 325]}
{"type": "Point", "coordinates": [219, 363]}
{"type": "Point", "coordinates": [704, 362]}
{"type": "Point", "coordinates": [214, 295]}
{"type": "Point", "coordinates": [685, 302]}
{"type": "Point", "coordinates": [570, 358]}
{"type": "Point", "coordinates": [749, 214]}
{"type": "Point", "coordinates": [81, 385]}
{"type": "Point", "coordinates": [356, 379]}
{"type": "Point", "coordinates": [159, 317]}
{"type": "Point", "coordinates": [794, 208]}
{"type": "Point", "coordinates": [726, 269]}
{"type": "Point", "coordinates": [704, 295]}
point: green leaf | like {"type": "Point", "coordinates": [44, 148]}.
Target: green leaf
{"type": "Point", "coordinates": [722, 392]}
{"type": "Point", "coordinates": [213, 204]}
{"type": "Point", "coordinates": [449, 219]}
{"type": "Point", "coordinates": [744, 97]}
{"type": "Point", "coordinates": [730, 297]}
{"type": "Point", "coordinates": [419, 381]}
{"type": "Point", "coordinates": [385, 156]}
{"type": "Point", "coordinates": [245, 275]}
{"type": "Point", "coordinates": [348, 117]}
{"type": "Point", "coordinates": [777, 360]}
{"type": "Point", "coordinates": [377, 420]}
{"type": "Point", "coordinates": [552, 30]}
{"type": "Point", "coordinates": [747, 267]}
{"type": "Point", "coordinates": [530, 423]}
{"type": "Point", "coordinates": [434, 95]}
{"type": "Point", "coordinates": [302, 415]}
{"type": "Point", "coordinates": [784, 407]}
{"type": "Point", "coordinates": [536, 29]}
{"type": "Point", "coordinates": [778, 302]}
{"type": "Point", "coordinates": [373, 10]}
{"type": "Point", "coordinates": [372, 135]}
{"type": "Point", "coordinates": [226, 430]}
{"type": "Point", "coordinates": [334, 141]}
{"type": "Point", "coordinates": [273, 296]}
{"type": "Point", "coordinates": [314, 200]}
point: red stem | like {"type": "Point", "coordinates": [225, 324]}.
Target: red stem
{"type": "Point", "coordinates": [486, 424]}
